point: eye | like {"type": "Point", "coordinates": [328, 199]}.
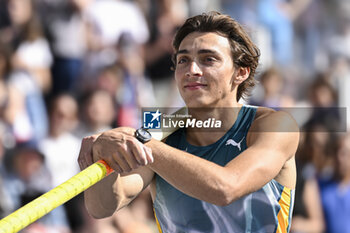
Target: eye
{"type": "Point", "coordinates": [182, 60]}
{"type": "Point", "coordinates": [209, 59]}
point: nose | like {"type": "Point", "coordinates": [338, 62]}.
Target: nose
{"type": "Point", "coordinates": [194, 70]}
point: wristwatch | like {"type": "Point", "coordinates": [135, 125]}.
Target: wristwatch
{"type": "Point", "coordinates": [143, 135]}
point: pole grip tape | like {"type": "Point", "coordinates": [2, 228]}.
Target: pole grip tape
{"type": "Point", "coordinates": [55, 197]}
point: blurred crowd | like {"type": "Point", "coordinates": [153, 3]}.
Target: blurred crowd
{"type": "Point", "coordinates": [72, 68]}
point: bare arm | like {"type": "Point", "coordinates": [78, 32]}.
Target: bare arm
{"type": "Point", "coordinates": [116, 190]}
{"type": "Point", "coordinates": [271, 145]}
{"type": "Point", "coordinates": [314, 222]}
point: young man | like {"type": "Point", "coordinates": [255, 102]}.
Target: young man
{"type": "Point", "coordinates": [240, 179]}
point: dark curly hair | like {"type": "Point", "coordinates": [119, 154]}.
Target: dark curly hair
{"type": "Point", "coordinates": [244, 52]}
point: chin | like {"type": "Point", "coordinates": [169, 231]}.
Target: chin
{"type": "Point", "coordinates": [195, 103]}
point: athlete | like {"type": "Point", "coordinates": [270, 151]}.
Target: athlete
{"type": "Point", "coordinates": [238, 179]}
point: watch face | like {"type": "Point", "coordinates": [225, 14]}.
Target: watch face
{"type": "Point", "coordinates": [143, 135]}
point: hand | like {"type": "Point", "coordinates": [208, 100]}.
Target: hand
{"type": "Point", "coordinates": [121, 150]}
{"type": "Point", "coordinates": [85, 158]}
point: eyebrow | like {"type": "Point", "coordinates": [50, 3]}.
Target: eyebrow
{"type": "Point", "coordinates": [185, 51]}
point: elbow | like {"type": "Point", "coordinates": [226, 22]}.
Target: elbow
{"type": "Point", "coordinates": [224, 199]}
{"type": "Point", "coordinates": [222, 202]}
{"type": "Point", "coordinates": [96, 216]}
{"type": "Point", "coordinates": [225, 194]}
{"type": "Point", "coordinates": [97, 211]}
{"type": "Point", "coordinates": [121, 197]}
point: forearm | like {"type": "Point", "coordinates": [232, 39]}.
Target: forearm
{"type": "Point", "coordinates": [117, 148]}
{"type": "Point", "coordinates": [210, 182]}
{"type": "Point", "coordinates": [116, 191]}
{"type": "Point", "coordinates": [100, 200]}
{"type": "Point", "coordinates": [192, 175]}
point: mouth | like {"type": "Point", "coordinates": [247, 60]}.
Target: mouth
{"type": "Point", "coordinates": [194, 86]}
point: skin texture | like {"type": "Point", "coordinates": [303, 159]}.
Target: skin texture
{"type": "Point", "coordinates": [209, 54]}
{"type": "Point", "coordinates": [314, 223]}
{"type": "Point", "coordinates": [205, 76]}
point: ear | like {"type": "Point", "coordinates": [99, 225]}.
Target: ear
{"type": "Point", "coordinates": [241, 74]}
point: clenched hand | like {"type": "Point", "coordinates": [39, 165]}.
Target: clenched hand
{"type": "Point", "coordinates": [118, 147]}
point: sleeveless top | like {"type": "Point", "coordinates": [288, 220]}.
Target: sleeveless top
{"type": "Point", "coordinates": [266, 210]}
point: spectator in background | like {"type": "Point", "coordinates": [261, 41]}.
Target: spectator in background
{"type": "Point", "coordinates": [25, 35]}
{"type": "Point", "coordinates": [4, 17]}
{"type": "Point", "coordinates": [273, 95]}
{"type": "Point", "coordinates": [336, 192]}
{"type": "Point", "coordinates": [5, 206]}
{"type": "Point", "coordinates": [22, 108]}
{"type": "Point", "coordinates": [114, 80]}
{"type": "Point", "coordinates": [106, 21]}
{"type": "Point", "coordinates": [308, 212]}
{"type": "Point", "coordinates": [321, 92]}
{"type": "Point", "coordinates": [26, 178]}
{"type": "Point", "coordinates": [277, 17]}
{"type": "Point", "coordinates": [165, 18]}
{"type": "Point", "coordinates": [111, 80]}
{"type": "Point", "coordinates": [315, 156]}
{"type": "Point", "coordinates": [65, 27]}
{"type": "Point", "coordinates": [132, 61]}
{"type": "Point", "coordinates": [271, 23]}
{"type": "Point", "coordinates": [323, 100]}
{"type": "Point", "coordinates": [30, 74]}
{"type": "Point", "coordinates": [61, 147]}
{"type": "Point", "coordinates": [5, 90]}
{"type": "Point", "coordinates": [98, 113]}
{"type": "Point", "coordinates": [61, 150]}
{"type": "Point", "coordinates": [309, 29]}
{"type": "Point", "coordinates": [339, 53]}
{"type": "Point", "coordinates": [341, 81]}
{"type": "Point", "coordinates": [246, 13]}
{"type": "Point", "coordinates": [318, 148]}
{"type": "Point", "coordinates": [4, 70]}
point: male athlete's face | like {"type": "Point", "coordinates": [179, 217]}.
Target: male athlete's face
{"type": "Point", "coordinates": [204, 71]}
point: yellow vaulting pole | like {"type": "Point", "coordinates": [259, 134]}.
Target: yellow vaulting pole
{"type": "Point", "coordinates": [66, 191]}
{"type": "Point", "coordinates": [54, 198]}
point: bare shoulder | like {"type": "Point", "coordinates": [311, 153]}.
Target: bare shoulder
{"type": "Point", "coordinates": [274, 129]}
{"type": "Point", "coordinates": [277, 133]}
{"type": "Point", "coordinates": [270, 120]}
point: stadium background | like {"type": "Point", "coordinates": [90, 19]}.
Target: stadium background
{"type": "Point", "coordinates": [71, 68]}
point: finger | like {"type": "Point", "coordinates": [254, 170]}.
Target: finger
{"type": "Point", "coordinates": [115, 167]}
{"type": "Point", "coordinates": [127, 151]}
{"type": "Point", "coordinates": [82, 165]}
{"type": "Point", "coordinates": [88, 158]}
{"type": "Point", "coordinates": [130, 157]}
{"type": "Point", "coordinates": [138, 153]}
{"type": "Point", "coordinates": [121, 161]}
{"type": "Point", "coordinates": [149, 155]}
{"type": "Point", "coordinates": [85, 154]}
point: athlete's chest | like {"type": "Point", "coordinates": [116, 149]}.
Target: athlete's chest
{"type": "Point", "coordinates": [222, 152]}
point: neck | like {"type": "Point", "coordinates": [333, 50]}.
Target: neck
{"type": "Point", "coordinates": [227, 116]}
